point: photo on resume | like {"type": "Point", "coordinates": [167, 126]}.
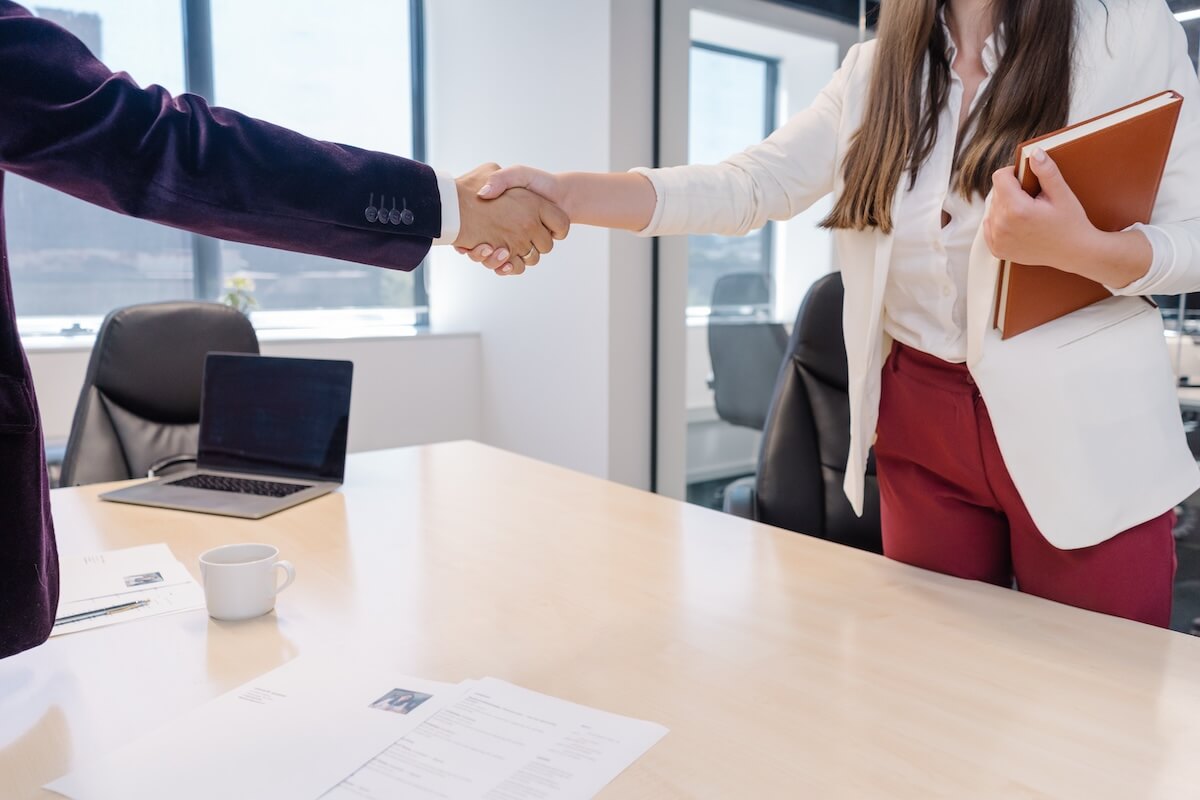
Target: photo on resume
{"type": "Point", "coordinates": [145, 579]}
{"type": "Point", "coordinates": [400, 701]}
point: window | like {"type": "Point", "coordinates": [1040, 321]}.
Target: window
{"type": "Point", "coordinates": [1188, 14]}
{"type": "Point", "coordinates": [346, 76]}
{"type": "Point", "coordinates": [732, 105]}
{"type": "Point", "coordinates": [70, 260]}
{"type": "Point", "coordinates": [264, 65]}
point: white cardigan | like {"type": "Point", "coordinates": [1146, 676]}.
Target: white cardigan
{"type": "Point", "coordinates": [1084, 408]}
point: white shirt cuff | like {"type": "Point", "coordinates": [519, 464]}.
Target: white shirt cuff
{"type": "Point", "coordinates": [1160, 262]}
{"type": "Point", "coordinates": [656, 220]}
{"type": "Point", "coordinates": [451, 220]}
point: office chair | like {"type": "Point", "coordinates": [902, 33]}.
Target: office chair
{"type": "Point", "coordinates": [745, 347]}
{"type": "Point", "coordinates": [140, 402]}
{"type": "Point", "coordinates": [1179, 313]}
{"type": "Point", "coordinates": [1169, 306]}
{"type": "Point", "coordinates": [806, 440]}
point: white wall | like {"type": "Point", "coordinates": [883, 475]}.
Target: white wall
{"type": "Point", "coordinates": [408, 390]}
{"type": "Point", "coordinates": [566, 347]}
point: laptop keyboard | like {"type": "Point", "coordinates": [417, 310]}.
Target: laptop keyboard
{"type": "Point", "coordinates": [220, 483]}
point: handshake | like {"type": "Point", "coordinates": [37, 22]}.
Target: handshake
{"type": "Point", "coordinates": [509, 218]}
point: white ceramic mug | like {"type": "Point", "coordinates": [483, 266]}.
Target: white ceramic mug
{"type": "Point", "coordinates": [240, 580]}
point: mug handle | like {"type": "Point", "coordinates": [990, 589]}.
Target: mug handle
{"type": "Point", "coordinates": [287, 567]}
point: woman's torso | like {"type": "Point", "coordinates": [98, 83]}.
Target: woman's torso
{"type": "Point", "coordinates": [1084, 408]}
{"type": "Point", "coordinates": [925, 301]}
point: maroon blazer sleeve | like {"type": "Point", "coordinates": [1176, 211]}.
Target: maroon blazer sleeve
{"type": "Point", "coordinates": [69, 122]}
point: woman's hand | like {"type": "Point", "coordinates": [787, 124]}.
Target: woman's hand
{"type": "Point", "coordinates": [1053, 229]}
{"type": "Point", "coordinates": [537, 181]}
{"type": "Point", "coordinates": [623, 200]}
{"type": "Point", "coordinates": [547, 184]}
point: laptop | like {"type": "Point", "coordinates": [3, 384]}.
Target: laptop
{"type": "Point", "coordinates": [272, 436]}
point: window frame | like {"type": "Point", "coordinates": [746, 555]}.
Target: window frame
{"type": "Point", "coordinates": [699, 314]}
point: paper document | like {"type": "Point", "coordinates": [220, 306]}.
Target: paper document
{"type": "Point", "coordinates": [501, 742]}
{"type": "Point", "coordinates": [103, 580]}
{"type": "Point", "coordinates": [292, 733]}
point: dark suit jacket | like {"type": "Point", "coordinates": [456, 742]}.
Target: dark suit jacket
{"type": "Point", "coordinates": [70, 123]}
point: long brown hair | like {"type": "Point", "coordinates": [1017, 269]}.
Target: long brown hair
{"type": "Point", "coordinates": [1029, 95]}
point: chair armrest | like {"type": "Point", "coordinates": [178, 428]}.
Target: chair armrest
{"type": "Point", "coordinates": [741, 500]}
{"type": "Point", "coordinates": [168, 462]}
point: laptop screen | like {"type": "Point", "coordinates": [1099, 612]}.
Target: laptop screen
{"type": "Point", "coordinates": [275, 416]}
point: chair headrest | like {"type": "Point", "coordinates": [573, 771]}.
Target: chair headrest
{"type": "Point", "coordinates": [817, 340]}
{"type": "Point", "coordinates": [149, 358]}
{"type": "Point", "coordinates": [741, 289]}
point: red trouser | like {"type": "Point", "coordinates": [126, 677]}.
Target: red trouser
{"type": "Point", "coordinates": [948, 503]}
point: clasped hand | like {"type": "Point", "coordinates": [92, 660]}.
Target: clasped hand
{"type": "Point", "coordinates": [1050, 228]}
{"type": "Point", "coordinates": [504, 225]}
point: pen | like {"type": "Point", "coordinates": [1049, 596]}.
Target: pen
{"type": "Point", "coordinates": [100, 612]}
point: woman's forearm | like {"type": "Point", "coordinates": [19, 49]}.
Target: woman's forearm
{"type": "Point", "coordinates": [1117, 259]}
{"type": "Point", "coordinates": [611, 200]}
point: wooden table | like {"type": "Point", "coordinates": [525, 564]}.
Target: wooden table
{"type": "Point", "coordinates": [784, 666]}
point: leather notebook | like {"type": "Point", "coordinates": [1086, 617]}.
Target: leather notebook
{"type": "Point", "coordinates": [1114, 164]}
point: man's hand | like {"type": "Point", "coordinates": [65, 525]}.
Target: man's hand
{"type": "Point", "coordinates": [515, 229]}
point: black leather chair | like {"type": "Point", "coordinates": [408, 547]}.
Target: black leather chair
{"type": "Point", "coordinates": [1180, 314]}
{"type": "Point", "coordinates": [1168, 305]}
{"type": "Point", "coordinates": [140, 401]}
{"type": "Point", "coordinates": [745, 347]}
{"type": "Point", "coordinates": [802, 458]}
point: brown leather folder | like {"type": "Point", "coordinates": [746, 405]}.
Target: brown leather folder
{"type": "Point", "coordinates": [1114, 164]}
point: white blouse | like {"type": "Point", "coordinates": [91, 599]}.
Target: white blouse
{"type": "Point", "coordinates": [925, 301]}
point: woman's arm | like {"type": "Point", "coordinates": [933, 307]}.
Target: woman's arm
{"type": "Point", "coordinates": [1170, 264]}
{"type": "Point", "coordinates": [622, 200]}
{"type": "Point", "coordinates": [1053, 228]}
{"type": "Point", "coordinates": [773, 180]}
